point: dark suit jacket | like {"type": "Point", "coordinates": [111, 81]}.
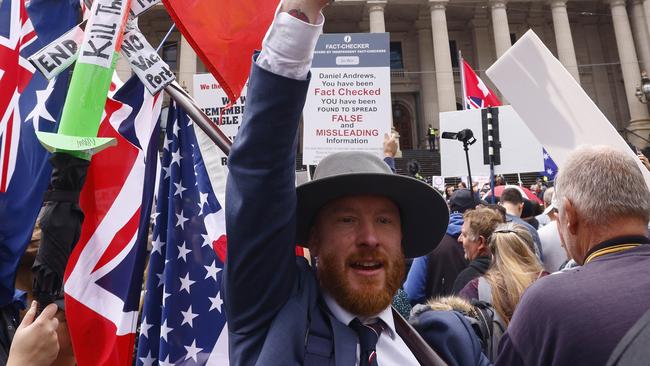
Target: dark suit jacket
{"type": "Point", "coordinates": [272, 299]}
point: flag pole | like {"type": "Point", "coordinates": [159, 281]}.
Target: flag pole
{"type": "Point", "coordinates": [461, 66]}
{"type": "Point", "coordinates": [186, 102]}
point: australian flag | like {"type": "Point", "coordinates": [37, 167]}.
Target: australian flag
{"type": "Point", "coordinates": [550, 168]}
{"type": "Point", "coordinates": [183, 319]}
{"type": "Point", "coordinates": [27, 102]}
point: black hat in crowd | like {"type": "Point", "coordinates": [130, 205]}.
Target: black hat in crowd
{"type": "Point", "coordinates": [461, 200]}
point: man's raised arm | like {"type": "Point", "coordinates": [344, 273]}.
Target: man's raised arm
{"type": "Point", "coordinates": [260, 212]}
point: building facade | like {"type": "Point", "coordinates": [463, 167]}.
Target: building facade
{"type": "Point", "coordinates": [604, 45]}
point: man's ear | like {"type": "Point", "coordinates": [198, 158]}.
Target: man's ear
{"type": "Point", "coordinates": [572, 217]}
{"type": "Point", "coordinates": [482, 243]}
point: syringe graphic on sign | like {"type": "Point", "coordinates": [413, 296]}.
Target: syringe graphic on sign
{"type": "Point", "coordinates": [91, 79]}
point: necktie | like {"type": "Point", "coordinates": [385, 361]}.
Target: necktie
{"type": "Point", "coordinates": [368, 336]}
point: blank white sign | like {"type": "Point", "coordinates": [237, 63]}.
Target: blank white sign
{"type": "Point", "coordinates": [520, 150]}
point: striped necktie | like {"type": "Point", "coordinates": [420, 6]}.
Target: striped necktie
{"type": "Point", "coordinates": [368, 336]}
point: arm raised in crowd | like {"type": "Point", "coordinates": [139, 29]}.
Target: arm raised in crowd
{"type": "Point", "coordinates": [36, 342]}
{"type": "Point", "coordinates": [261, 200]}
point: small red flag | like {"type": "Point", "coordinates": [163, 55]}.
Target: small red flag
{"type": "Point", "coordinates": [478, 95]}
{"type": "Point", "coordinates": [224, 34]}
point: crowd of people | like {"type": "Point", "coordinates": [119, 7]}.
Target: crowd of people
{"type": "Point", "coordinates": [489, 283]}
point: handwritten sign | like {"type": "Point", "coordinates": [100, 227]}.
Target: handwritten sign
{"type": "Point", "coordinates": [140, 6]}
{"type": "Point", "coordinates": [145, 62]}
{"type": "Point", "coordinates": [60, 54]}
{"type": "Point", "coordinates": [101, 36]}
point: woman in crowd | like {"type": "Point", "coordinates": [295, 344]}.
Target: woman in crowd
{"type": "Point", "coordinates": [514, 267]}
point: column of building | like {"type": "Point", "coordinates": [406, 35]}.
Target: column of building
{"type": "Point", "coordinates": [563, 39]}
{"type": "Point", "coordinates": [442, 57]}
{"type": "Point", "coordinates": [428, 95]}
{"type": "Point", "coordinates": [186, 65]}
{"type": "Point", "coordinates": [646, 11]}
{"type": "Point", "coordinates": [640, 119]}
{"type": "Point", "coordinates": [376, 14]}
{"type": "Point", "coordinates": [640, 28]}
{"type": "Point", "coordinates": [500, 26]}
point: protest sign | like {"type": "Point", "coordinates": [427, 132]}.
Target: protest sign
{"type": "Point", "coordinates": [211, 98]}
{"type": "Point", "coordinates": [145, 62]}
{"type": "Point", "coordinates": [348, 104]}
{"type": "Point", "coordinates": [551, 102]}
{"type": "Point", "coordinates": [520, 150]}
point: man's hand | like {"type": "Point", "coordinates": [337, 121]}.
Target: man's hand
{"type": "Point", "coordinates": [305, 10]}
{"type": "Point", "coordinates": [36, 342]}
{"type": "Point", "coordinates": [645, 161]}
{"type": "Point", "coordinates": [390, 145]}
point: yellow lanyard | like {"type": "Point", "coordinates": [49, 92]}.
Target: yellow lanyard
{"type": "Point", "coordinates": [609, 250]}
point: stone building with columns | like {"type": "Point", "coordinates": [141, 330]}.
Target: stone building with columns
{"type": "Point", "coordinates": [604, 44]}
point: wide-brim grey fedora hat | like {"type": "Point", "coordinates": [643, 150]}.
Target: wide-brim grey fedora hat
{"type": "Point", "coordinates": [424, 213]}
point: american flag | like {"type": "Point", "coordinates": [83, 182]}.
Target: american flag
{"type": "Point", "coordinates": [183, 319]}
{"type": "Point", "coordinates": [27, 102]}
{"type": "Point", "coordinates": [103, 279]}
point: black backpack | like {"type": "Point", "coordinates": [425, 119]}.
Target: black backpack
{"type": "Point", "coordinates": [487, 324]}
{"type": "Point", "coordinates": [633, 349]}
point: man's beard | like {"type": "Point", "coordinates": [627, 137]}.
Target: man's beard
{"type": "Point", "coordinates": [372, 298]}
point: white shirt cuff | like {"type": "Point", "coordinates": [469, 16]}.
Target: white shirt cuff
{"type": "Point", "coordinates": [288, 47]}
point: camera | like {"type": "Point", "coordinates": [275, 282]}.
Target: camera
{"type": "Point", "coordinates": [465, 136]}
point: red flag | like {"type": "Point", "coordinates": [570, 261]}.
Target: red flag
{"type": "Point", "coordinates": [477, 94]}
{"type": "Point", "coordinates": [224, 34]}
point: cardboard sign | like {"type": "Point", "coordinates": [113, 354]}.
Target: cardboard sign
{"type": "Point", "coordinates": [60, 54]}
{"type": "Point", "coordinates": [520, 150]}
{"type": "Point", "coordinates": [104, 29]}
{"type": "Point", "coordinates": [551, 103]}
{"type": "Point", "coordinates": [140, 6]}
{"type": "Point", "coordinates": [212, 98]}
{"type": "Point", "coordinates": [64, 51]}
{"type": "Point", "coordinates": [348, 104]}
{"type": "Point", "coordinates": [145, 62]}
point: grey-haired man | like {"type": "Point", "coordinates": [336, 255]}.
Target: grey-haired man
{"type": "Point", "coordinates": [577, 317]}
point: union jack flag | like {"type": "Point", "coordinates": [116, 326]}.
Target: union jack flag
{"type": "Point", "coordinates": [103, 279]}
{"type": "Point", "coordinates": [477, 94]}
{"type": "Point", "coordinates": [27, 102]}
{"type": "Point", "coordinates": [183, 320]}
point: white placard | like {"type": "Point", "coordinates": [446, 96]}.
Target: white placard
{"type": "Point", "coordinates": [520, 150]}
{"type": "Point", "coordinates": [145, 62]}
{"type": "Point", "coordinates": [438, 182]}
{"type": "Point", "coordinates": [60, 54]}
{"type": "Point", "coordinates": [348, 104]}
{"type": "Point", "coordinates": [140, 6]}
{"type": "Point", "coordinates": [105, 27]}
{"type": "Point", "coordinates": [551, 102]}
{"type": "Point", "coordinates": [211, 98]}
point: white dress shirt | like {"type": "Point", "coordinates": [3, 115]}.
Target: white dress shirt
{"type": "Point", "coordinates": [288, 47]}
{"type": "Point", "coordinates": [391, 349]}
{"type": "Point", "coordinates": [288, 50]}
